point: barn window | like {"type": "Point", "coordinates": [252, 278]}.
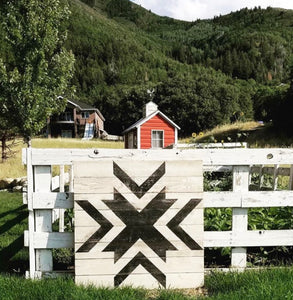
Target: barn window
{"type": "Point", "coordinates": [157, 138]}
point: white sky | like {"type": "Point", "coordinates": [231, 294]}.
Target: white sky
{"type": "Point", "coordinates": [191, 10]}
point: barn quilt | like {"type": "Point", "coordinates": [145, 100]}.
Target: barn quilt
{"type": "Point", "coordinates": [139, 223]}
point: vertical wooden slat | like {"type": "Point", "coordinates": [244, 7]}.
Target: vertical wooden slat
{"type": "Point", "coordinates": [275, 177]}
{"type": "Point", "coordinates": [239, 215]}
{"type": "Point", "coordinates": [261, 177]}
{"type": "Point", "coordinates": [31, 217]}
{"type": "Point", "coordinates": [71, 178]}
{"type": "Point", "coordinates": [61, 189]}
{"type": "Point", "coordinates": [291, 178]}
{"type": "Point", "coordinates": [43, 218]}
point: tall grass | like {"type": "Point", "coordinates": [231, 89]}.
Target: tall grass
{"type": "Point", "coordinates": [13, 167]}
{"type": "Point", "coordinates": [253, 285]}
{"type": "Point", "coordinates": [259, 285]}
{"type": "Point", "coordinates": [74, 143]}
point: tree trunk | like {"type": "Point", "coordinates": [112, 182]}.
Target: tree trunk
{"type": "Point", "coordinates": [28, 141]}
{"type": "Point", "coordinates": [3, 147]}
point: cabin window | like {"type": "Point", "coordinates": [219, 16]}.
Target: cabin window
{"type": "Point", "coordinates": [66, 116]}
{"type": "Point", "coordinates": [85, 114]}
{"type": "Point", "coordinates": [157, 138]}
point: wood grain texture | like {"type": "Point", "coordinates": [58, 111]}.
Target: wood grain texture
{"type": "Point", "coordinates": [136, 221]}
{"type": "Point", "coordinates": [239, 215]}
{"type": "Point", "coordinates": [210, 157]}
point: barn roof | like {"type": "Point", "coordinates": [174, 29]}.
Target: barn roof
{"type": "Point", "coordinates": [145, 119]}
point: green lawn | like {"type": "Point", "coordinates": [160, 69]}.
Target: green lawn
{"type": "Point", "coordinates": [274, 283]}
{"type": "Point", "coordinates": [259, 285]}
{"type": "Point", "coordinates": [13, 222]}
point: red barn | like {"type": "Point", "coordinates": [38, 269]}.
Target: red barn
{"type": "Point", "coordinates": [155, 130]}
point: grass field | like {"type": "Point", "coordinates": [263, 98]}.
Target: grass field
{"type": "Point", "coordinates": [255, 134]}
{"type": "Point", "coordinates": [266, 284]}
{"type": "Point", "coordinates": [13, 167]}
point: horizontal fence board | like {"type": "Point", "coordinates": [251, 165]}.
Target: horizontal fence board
{"type": "Point", "coordinates": [52, 200]}
{"type": "Point", "coordinates": [216, 157]}
{"type": "Point", "coordinates": [51, 240]}
{"type": "Point", "coordinates": [250, 238]}
{"type": "Point", "coordinates": [212, 145]}
{"type": "Point", "coordinates": [248, 199]}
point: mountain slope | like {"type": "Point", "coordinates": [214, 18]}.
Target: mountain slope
{"type": "Point", "coordinates": [118, 62]}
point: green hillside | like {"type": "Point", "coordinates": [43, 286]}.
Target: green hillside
{"type": "Point", "coordinates": [202, 73]}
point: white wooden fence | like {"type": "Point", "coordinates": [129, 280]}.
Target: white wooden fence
{"type": "Point", "coordinates": [211, 145]}
{"type": "Point", "coordinates": [41, 200]}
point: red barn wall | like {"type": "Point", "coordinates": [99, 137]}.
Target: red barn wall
{"type": "Point", "coordinates": [156, 123]}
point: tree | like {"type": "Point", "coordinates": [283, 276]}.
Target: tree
{"type": "Point", "coordinates": [40, 69]}
{"type": "Point", "coordinates": [7, 133]}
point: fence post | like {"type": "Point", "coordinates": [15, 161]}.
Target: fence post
{"type": "Point", "coordinates": [275, 177]}
{"type": "Point", "coordinates": [43, 219]}
{"type": "Point", "coordinates": [61, 190]}
{"type": "Point", "coordinates": [291, 178]}
{"type": "Point", "coordinates": [239, 215]}
{"type": "Point", "coordinates": [31, 217]}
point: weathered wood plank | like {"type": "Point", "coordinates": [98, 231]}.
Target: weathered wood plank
{"type": "Point", "coordinates": [52, 200]}
{"type": "Point", "coordinates": [136, 221]}
{"type": "Point", "coordinates": [250, 238]}
{"type": "Point", "coordinates": [239, 215]}
{"type": "Point", "coordinates": [43, 217]}
{"type": "Point", "coordinates": [220, 157]}
{"type": "Point", "coordinates": [139, 246]}
{"type": "Point", "coordinates": [98, 199]}
{"type": "Point", "coordinates": [248, 199]}
{"type": "Point", "coordinates": [51, 240]}
{"type": "Point", "coordinates": [84, 220]}
{"type": "Point", "coordinates": [290, 186]}
{"type": "Point", "coordinates": [212, 145]}
{"type": "Point", "coordinates": [183, 280]}
{"type": "Point", "coordinates": [106, 185]}
{"type": "Point", "coordinates": [82, 234]}
{"type": "Point", "coordinates": [106, 266]}
{"type": "Point", "coordinates": [140, 169]}
{"type": "Point", "coordinates": [31, 218]}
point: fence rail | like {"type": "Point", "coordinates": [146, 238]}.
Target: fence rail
{"type": "Point", "coordinates": [242, 163]}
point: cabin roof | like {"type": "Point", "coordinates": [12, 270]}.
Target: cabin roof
{"type": "Point", "coordinates": [145, 119]}
{"type": "Point", "coordinates": [85, 107]}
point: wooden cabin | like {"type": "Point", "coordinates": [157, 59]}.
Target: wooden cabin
{"type": "Point", "coordinates": [79, 120]}
{"type": "Point", "coordinates": [155, 130]}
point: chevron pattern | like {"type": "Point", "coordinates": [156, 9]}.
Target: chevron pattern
{"type": "Point", "coordinates": [140, 226]}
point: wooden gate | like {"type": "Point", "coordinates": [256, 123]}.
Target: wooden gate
{"type": "Point", "coordinates": [42, 199]}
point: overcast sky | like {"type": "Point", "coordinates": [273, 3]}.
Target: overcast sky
{"type": "Point", "coordinates": [191, 10]}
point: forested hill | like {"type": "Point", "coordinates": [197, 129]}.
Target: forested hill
{"type": "Point", "coordinates": [201, 73]}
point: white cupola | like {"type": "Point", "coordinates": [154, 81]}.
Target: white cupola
{"type": "Point", "coordinates": [150, 108]}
